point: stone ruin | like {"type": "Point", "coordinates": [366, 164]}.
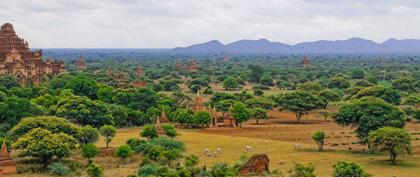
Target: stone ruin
{"type": "Point", "coordinates": [7, 165]}
{"type": "Point", "coordinates": [256, 165]}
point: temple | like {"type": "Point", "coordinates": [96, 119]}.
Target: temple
{"type": "Point", "coordinates": [7, 165]}
{"type": "Point", "coordinates": [305, 62]}
{"type": "Point", "coordinates": [80, 63]}
{"type": "Point", "coordinates": [17, 60]}
{"type": "Point", "coordinates": [191, 66]}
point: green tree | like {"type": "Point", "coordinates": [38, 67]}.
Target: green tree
{"type": "Point", "coordinates": [89, 151]}
{"type": "Point", "coordinates": [84, 111]}
{"type": "Point", "coordinates": [83, 86]}
{"type": "Point", "coordinates": [258, 114]}
{"type": "Point", "coordinates": [149, 131]}
{"type": "Point", "coordinates": [108, 131]}
{"type": "Point", "coordinates": [202, 118]}
{"type": "Point", "coordinates": [328, 96]}
{"type": "Point", "coordinates": [137, 99]}
{"type": "Point", "coordinates": [224, 106]}
{"type": "Point", "coordinates": [394, 140]}
{"type": "Point", "coordinates": [13, 109]}
{"type": "Point", "coordinates": [52, 124]}
{"type": "Point", "coordinates": [170, 130]}
{"type": "Point", "coordinates": [339, 82]}
{"type": "Point", "coordinates": [349, 169]}
{"type": "Point", "coordinates": [230, 83]}
{"type": "Point", "coordinates": [8, 81]}
{"type": "Point", "coordinates": [302, 170]}
{"type": "Point", "coordinates": [183, 116]}
{"type": "Point", "coordinates": [369, 114]}
{"type": "Point", "coordinates": [319, 137]}
{"type": "Point", "coordinates": [105, 93]}
{"type": "Point", "coordinates": [262, 102]}
{"type": "Point", "coordinates": [124, 151]}
{"type": "Point", "coordinates": [45, 146]}
{"type": "Point", "coordinates": [240, 113]}
{"type": "Point", "coordinates": [405, 85]}
{"type": "Point", "coordinates": [312, 87]}
{"type": "Point", "coordinates": [357, 73]}
{"type": "Point", "coordinates": [266, 80]}
{"type": "Point", "coordinates": [412, 100]}
{"type": "Point", "coordinates": [94, 170]}
{"type": "Point", "coordinates": [88, 134]}
{"type": "Point", "coordinates": [388, 94]}
{"type": "Point", "coordinates": [299, 102]}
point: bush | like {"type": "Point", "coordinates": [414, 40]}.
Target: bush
{"type": "Point", "coordinates": [343, 169]}
{"type": "Point", "coordinates": [258, 92]}
{"type": "Point", "coordinates": [94, 170]}
{"type": "Point", "coordinates": [88, 134]}
{"type": "Point", "coordinates": [301, 170]}
{"type": "Point", "coordinates": [319, 138]}
{"type": "Point", "coordinates": [170, 130]}
{"type": "Point", "coordinates": [149, 131]}
{"type": "Point", "coordinates": [108, 131]}
{"type": "Point", "coordinates": [89, 151]}
{"type": "Point", "coordinates": [124, 151]}
{"type": "Point", "coordinates": [58, 169]}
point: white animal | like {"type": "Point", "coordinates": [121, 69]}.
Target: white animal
{"type": "Point", "coordinates": [297, 146]}
{"type": "Point", "coordinates": [219, 150]}
{"type": "Point", "coordinates": [206, 151]}
{"type": "Point", "coordinates": [248, 149]}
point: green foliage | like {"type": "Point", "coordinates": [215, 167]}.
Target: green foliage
{"type": "Point", "coordinates": [202, 118]}
{"type": "Point", "coordinates": [89, 151]}
{"type": "Point", "coordinates": [299, 102]}
{"type": "Point", "coordinates": [83, 86]}
{"type": "Point", "coordinates": [183, 116]}
{"type": "Point", "coordinates": [319, 137]}
{"type": "Point", "coordinates": [302, 170]}
{"type": "Point", "coordinates": [149, 131]}
{"type": "Point", "coordinates": [170, 130]}
{"type": "Point", "coordinates": [357, 73]}
{"type": "Point", "coordinates": [369, 114]}
{"type": "Point", "coordinates": [88, 134]}
{"type": "Point", "coordinates": [222, 169]}
{"type": "Point", "coordinates": [136, 99]}
{"type": "Point", "coordinates": [347, 169]}
{"type": "Point", "coordinates": [59, 169]}
{"type": "Point", "coordinates": [124, 151]}
{"type": "Point", "coordinates": [230, 83]}
{"type": "Point", "coordinates": [267, 80]}
{"type": "Point", "coordinates": [43, 145]}
{"type": "Point", "coordinates": [261, 102]}
{"type": "Point", "coordinates": [328, 96]}
{"type": "Point", "coordinates": [405, 84]}
{"type": "Point", "coordinates": [312, 87]}
{"type": "Point", "coordinates": [13, 109]}
{"type": "Point", "coordinates": [105, 93]}
{"type": "Point", "coordinates": [339, 82]}
{"type": "Point", "coordinates": [84, 111]}
{"type": "Point", "coordinates": [258, 114]}
{"type": "Point", "coordinates": [8, 81]}
{"type": "Point", "coordinates": [108, 131]}
{"type": "Point", "coordinates": [258, 92]}
{"type": "Point", "coordinates": [393, 140]}
{"type": "Point", "coordinates": [52, 124]}
{"type": "Point", "coordinates": [94, 170]}
{"type": "Point", "coordinates": [240, 113]}
{"type": "Point", "coordinates": [388, 94]}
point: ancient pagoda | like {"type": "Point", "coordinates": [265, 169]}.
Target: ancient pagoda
{"type": "Point", "coordinates": [80, 63]}
{"type": "Point", "coordinates": [7, 165]}
{"type": "Point", "coordinates": [18, 60]}
{"type": "Point", "coordinates": [305, 62]}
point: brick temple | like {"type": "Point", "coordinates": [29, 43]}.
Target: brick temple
{"type": "Point", "coordinates": [18, 60]}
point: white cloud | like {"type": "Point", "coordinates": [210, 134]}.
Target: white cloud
{"type": "Point", "coordinates": [171, 23]}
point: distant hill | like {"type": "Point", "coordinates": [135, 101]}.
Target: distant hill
{"type": "Point", "coordinates": [349, 46]}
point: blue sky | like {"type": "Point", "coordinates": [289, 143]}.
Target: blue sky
{"type": "Point", "coordinates": [172, 23]}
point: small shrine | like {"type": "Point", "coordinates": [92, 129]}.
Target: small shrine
{"type": "Point", "coordinates": [198, 103]}
{"type": "Point", "coordinates": [305, 62]}
{"type": "Point", "coordinates": [7, 165]}
{"type": "Point", "coordinates": [139, 71]}
{"type": "Point", "coordinates": [80, 63]}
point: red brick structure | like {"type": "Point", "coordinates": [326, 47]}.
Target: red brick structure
{"type": "Point", "coordinates": [80, 63]}
{"type": "Point", "coordinates": [305, 62]}
{"type": "Point", "coordinates": [138, 84]}
{"type": "Point", "coordinates": [7, 165]}
{"type": "Point", "coordinates": [256, 165]}
{"type": "Point", "coordinates": [18, 60]}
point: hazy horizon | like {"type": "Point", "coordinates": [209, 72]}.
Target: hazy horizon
{"type": "Point", "coordinates": [148, 24]}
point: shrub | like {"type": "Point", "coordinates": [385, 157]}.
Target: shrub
{"type": "Point", "coordinates": [170, 130]}
{"type": "Point", "coordinates": [108, 131]}
{"type": "Point", "coordinates": [88, 134]}
{"type": "Point", "coordinates": [59, 169]}
{"type": "Point", "coordinates": [343, 169]}
{"type": "Point", "coordinates": [89, 151]}
{"type": "Point", "coordinates": [94, 170]}
{"type": "Point", "coordinates": [301, 170]}
{"type": "Point", "coordinates": [124, 151]}
{"type": "Point", "coordinates": [149, 131]}
{"type": "Point", "coordinates": [258, 92]}
{"type": "Point", "coordinates": [319, 138]}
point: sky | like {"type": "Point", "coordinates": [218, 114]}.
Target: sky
{"type": "Point", "coordinates": [174, 23]}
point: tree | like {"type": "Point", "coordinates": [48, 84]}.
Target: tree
{"type": "Point", "coordinates": [369, 114]}
{"type": "Point", "coordinates": [240, 113]}
{"type": "Point", "coordinates": [262, 102]}
{"type": "Point", "coordinates": [94, 170]}
{"type": "Point", "coordinates": [108, 131]}
{"type": "Point", "coordinates": [301, 170]}
{"type": "Point", "coordinates": [137, 99]}
{"type": "Point", "coordinates": [357, 73]}
{"type": "Point", "coordinates": [8, 81]}
{"type": "Point", "coordinates": [412, 100]}
{"type": "Point", "coordinates": [312, 87]}
{"type": "Point", "coordinates": [259, 113]}
{"type": "Point", "coordinates": [183, 116]}
{"type": "Point", "coordinates": [83, 86]}
{"type": "Point", "coordinates": [339, 82]}
{"type": "Point", "coordinates": [224, 105]}
{"type": "Point", "coordinates": [89, 151]}
{"type": "Point", "coordinates": [202, 118]}
{"type": "Point", "coordinates": [388, 94]}
{"type": "Point", "coordinates": [13, 109]}
{"type": "Point", "coordinates": [266, 80]}
{"type": "Point", "coordinates": [105, 93]}
{"type": "Point", "coordinates": [319, 138]}
{"type": "Point", "coordinates": [84, 111]}
{"type": "Point", "coordinates": [45, 146]}
{"type": "Point", "coordinates": [328, 96]}
{"type": "Point", "coordinates": [170, 130]}
{"type": "Point", "coordinates": [149, 131]}
{"type": "Point", "coordinates": [405, 84]}
{"type": "Point", "coordinates": [394, 140]}
{"type": "Point", "coordinates": [88, 134]}
{"type": "Point", "coordinates": [349, 169]}
{"type": "Point", "coordinates": [124, 151]}
{"type": "Point", "coordinates": [299, 102]}
{"type": "Point", "coordinates": [52, 124]}
{"type": "Point", "coordinates": [230, 83]}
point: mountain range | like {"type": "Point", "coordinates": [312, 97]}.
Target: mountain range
{"type": "Point", "coordinates": [349, 46]}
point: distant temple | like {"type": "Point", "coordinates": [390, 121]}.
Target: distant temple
{"type": "Point", "coordinates": [305, 62]}
{"type": "Point", "coordinates": [192, 66]}
{"type": "Point", "coordinates": [139, 71]}
{"type": "Point", "coordinates": [16, 59]}
{"type": "Point", "coordinates": [7, 165]}
{"type": "Point", "coordinates": [80, 63]}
